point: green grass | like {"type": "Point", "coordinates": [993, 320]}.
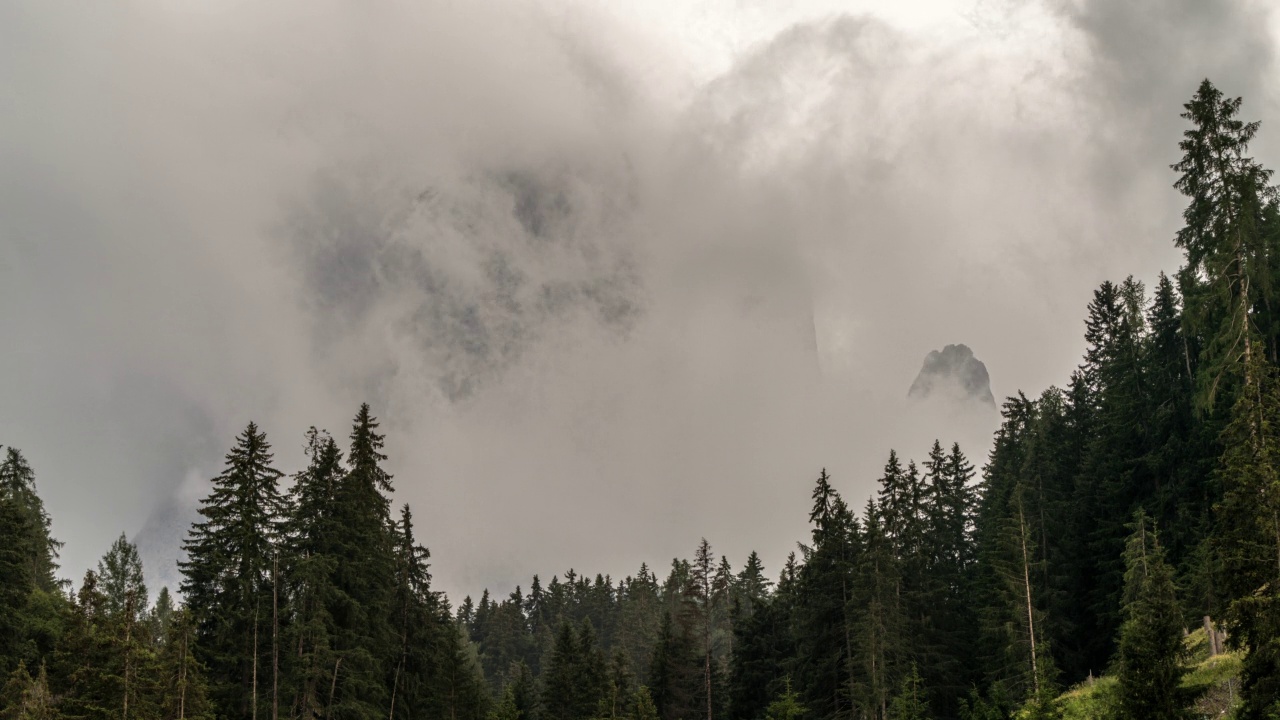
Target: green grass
{"type": "Point", "coordinates": [1216, 678]}
{"type": "Point", "coordinates": [1089, 700]}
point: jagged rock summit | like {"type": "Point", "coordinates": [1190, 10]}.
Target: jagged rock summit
{"type": "Point", "coordinates": [953, 374]}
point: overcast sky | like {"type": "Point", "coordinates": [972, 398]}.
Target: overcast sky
{"type": "Point", "coordinates": [615, 276]}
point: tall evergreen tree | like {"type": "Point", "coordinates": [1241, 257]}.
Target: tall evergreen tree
{"type": "Point", "coordinates": [121, 580]}
{"type": "Point", "coordinates": [17, 580]}
{"type": "Point", "coordinates": [227, 575]}
{"type": "Point", "coordinates": [1151, 653]}
{"type": "Point", "coordinates": [18, 481]}
{"type": "Point", "coordinates": [1249, 537]}
{"type": "Point", "coordinates": [23, 697]}
{"type": "Point", "coordinates": [1229, 258]}
{"type": "Point", "coordinates": [675, 675]}
{"type": "Point", "coordinates": [826, 624]}
{"type": "Point", "coordinates": [363, 577]}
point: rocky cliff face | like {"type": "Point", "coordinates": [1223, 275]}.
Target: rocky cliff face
{"type": "Point", "coordinates": [953, 374]}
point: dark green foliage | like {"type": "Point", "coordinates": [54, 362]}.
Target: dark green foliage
{"type": "Point", "coordinates": [1151, 654]}
{"type": "Point", "coordinates": [18, 482]}
{"type": "Point", "coordinates": [310, 540]}
{"type": "Point", "coordinates": [1249, 535]}
{"type": "Point", "coordinates": [17, 580]}
{"type": "Point", "coordinates": [763, 648]}
{"type": "Point", "coordinates": [24, 697]}
{"type": "Point", "coordinates": [575, 679]}
{"type": "Point", "coordinates": [909, 703]}
{"type": "Point", "coordinates": [642, 707]}
{"type": "Point", "coordinates": [363, 577]}
{"type": "Point", "coordinates": [183, 690]}
{"type": "Point", "coordinates": [120, 580]}
{"type": "Point", "coordinates": [825, 619]}
{"type": "Point", "coordinates": [227, 575]}
{"type": "Point", "coordinates": [786, 706]}
{"type": "Point", "coordinates": [1230, 258]}
{"type": "Point", "coordinates": [675, 675]}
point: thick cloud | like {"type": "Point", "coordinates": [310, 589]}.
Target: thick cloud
{"type": "Point", "coordinates": [612, 284]}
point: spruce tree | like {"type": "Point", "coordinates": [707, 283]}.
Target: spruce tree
{"type": "Point", "coordinates": [363, 577]}
{"type": "Point", "coordinates": [702, 590]}
{"type": "Point", "coordinates": [675, 676]}
{"type": "Point", "coordinates": [24, 697]}
{"type": "Point", "coordinates": [909, 703]}
{"type": "Point", "coordinates": [1249, 536]}
{"type": "Point", "coordinates": [1151, 654]}
{"type": "Point", "coordinates": [310, 539]}
{"type": "Point", "coordinates": [18, 481]}
{"type": "Point", "coordinates": [184, 692]}
{"type": "Point", "coordinates": [752, 584]}
{"type": "Point", "coordinates": [575, 680]}
{"type": "Point", "coordinates": [786, 706]}
{"type": "Point", "coordinates": [1229, 260]}
{"type": "Point", "coordinates": [120, 580]}
{"type": "Point", "coordinates": [826, 621]}
{"type": "Point", "coordinates": [642, 707]}
{"type": "Point", "coordinates": [17, 580]}
{"type": "Point", "coordinates": [227, 576]}
{"type": "Point", "coordinates": [881, 634]}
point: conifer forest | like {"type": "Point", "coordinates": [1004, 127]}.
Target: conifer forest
{"type": "Point", "coordinates": [1116, 555]}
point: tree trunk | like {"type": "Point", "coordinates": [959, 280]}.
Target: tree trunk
{"type": "Point", "coordinates": [333, 687]}
{"type": "Point", "coordinates": [1026, 579]}
{"type": "Point", "coordinates": [254, 692]}
{"type": "Point", "coordinates": [275, 637]}
{"type": "Point", "coordinates": [182, 677]}
{"type": "Point", "coordinates": [128, 649]}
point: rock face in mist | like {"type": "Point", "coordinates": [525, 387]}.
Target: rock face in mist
{"type": "Point", "coordinates": [953, 374]}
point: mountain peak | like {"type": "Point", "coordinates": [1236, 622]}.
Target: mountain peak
{"type": "Point", "coordinates": [953, 373]}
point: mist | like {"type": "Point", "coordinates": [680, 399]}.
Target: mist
{"type": "Point", "coordinates": [613, 279]}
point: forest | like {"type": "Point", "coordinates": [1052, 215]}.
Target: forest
{"type": "Point", "coordinates": [1116, 556]}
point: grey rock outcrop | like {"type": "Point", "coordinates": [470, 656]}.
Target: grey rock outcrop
{"type": "Point", "coordinates": [953, 374]}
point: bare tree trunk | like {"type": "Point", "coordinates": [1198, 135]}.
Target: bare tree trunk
{"type": "Point", "coordinates": [255, 660]}
{"type": "Point", "coordinates": [395, 685]}
{"type": "Point", "coordinates": [128, 648]}
{"type": "Point", "coordinates": [1275, 523]}
{"type": "Point", "coordinates": [275, 637]}
{"type": "Point", "coordinates": [182, 677]}
{"type": "Point", "coordinates": [1026, 579]}
{"type": "Point", "coordinates": [404, 650]}
{"type": "Point", "coordinates": [333, 686]}
{"type": "Point", "coordinates": [453, 697]}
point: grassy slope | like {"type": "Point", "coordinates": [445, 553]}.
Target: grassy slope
{"type": "Point", "coordinates": [1216, 677]}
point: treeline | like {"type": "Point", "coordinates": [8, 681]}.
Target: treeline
{"type": "Point", "coordinates": [1137, 501]}
{"type": "Point", "coordinates": [1111, 515]}
{"type": "Point", "coordinates": [313, 602]}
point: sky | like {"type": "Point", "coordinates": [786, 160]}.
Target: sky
{"type": "Point", "coordinates": [614, 276]}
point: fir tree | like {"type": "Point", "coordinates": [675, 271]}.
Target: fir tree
{"type": "Point", "coordinates": [702, 590]}
{"type": "Point", "coordinates": [752, 584]}
{"type": "Point", "coordinates": [675, 675]}
{"type": "Point", "coordinates": [909, 703]}
{"type": "Point", "coordinates": [1249, 536]}
{"type": "Point", "coordinates": [1151, 654]}
{"type": "Point", "coordinates": [121, 581]}
{"type": "Point", "coordinates": [787, 705]}
{"type": "Point", "coordinates": [18, 482]}
{"type": "Point", "coordinates": [17, 580]}
{"type": "Point", "coordinates": [227, 575]}
{"type": "Point", "coordinates": [826, 625]}
{"type": "Point", "coordinates": [1228, 257]}
{"type": "Point", "coordinates": [24, 697]}
{"type": "Point", "coordinates": [183, 691]}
